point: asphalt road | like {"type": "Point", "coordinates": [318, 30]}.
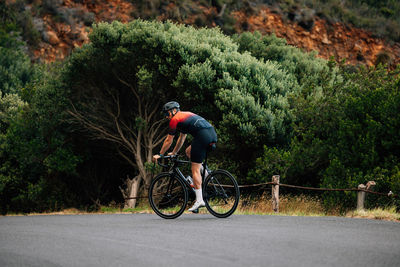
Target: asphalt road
{"type": "Point", "coordinates": [197, 240]}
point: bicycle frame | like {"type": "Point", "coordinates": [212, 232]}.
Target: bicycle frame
{"type": "Point", "coordinates": [175, 171]}
{"type": "Point", "coordinates": [212, 185]}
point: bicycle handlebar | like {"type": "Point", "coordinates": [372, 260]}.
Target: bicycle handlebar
{"type": "Point", "coordinates": [173, 158]}
{"type": "Point", "coordinates": [163, 157]}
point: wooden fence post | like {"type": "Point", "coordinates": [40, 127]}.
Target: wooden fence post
{"type": "Point", "coordinates": [275, 193]}
{"type": "Point", "coordinates": [361, 194]}
{"type": "Point", "coordinates": [361, 197]}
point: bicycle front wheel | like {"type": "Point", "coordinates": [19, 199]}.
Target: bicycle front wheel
{"type": "Point", "coordinates": [221, 193]}
{"type": "Point", "coordinates": [168, 196]}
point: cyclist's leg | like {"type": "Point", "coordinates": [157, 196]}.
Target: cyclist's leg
{"type": "Point", "coordinates": [201, 145]}
{"type": "Point", "coordinates": [197, 187]}
{"type": "Point", "coordinates": [197, 154]}
{"type": "Point", "coordinates": [211, 145]}
{"type": "Point", "coordinates": [196, 175]}
{"type": "Point", "coordinates": [188, 150]}
{"type": "Point", "coordinates": [197, 158]}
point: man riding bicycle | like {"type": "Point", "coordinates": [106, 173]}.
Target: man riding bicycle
{"type": "Point", "coordinates": [204, 134]}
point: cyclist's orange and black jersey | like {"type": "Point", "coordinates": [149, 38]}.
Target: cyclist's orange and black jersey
{"type": "Point", "coordinates": [202, 131]}
{"type": "Point", "coordinates": [187, 123]}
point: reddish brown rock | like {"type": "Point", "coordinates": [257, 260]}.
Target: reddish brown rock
{"type": "Point", "coordinates": [338, 40]}
{"type": "Point", "coordinates": [51, 37]}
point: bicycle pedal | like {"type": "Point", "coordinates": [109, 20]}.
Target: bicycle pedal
{"type": "Point", "coordinates": [196, 211]}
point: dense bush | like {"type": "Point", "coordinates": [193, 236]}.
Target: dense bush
{"type": "Point", "coordinates": [15, 17]}
{"type": "Point", "coordinates": [36, 160]}
{"type": "Point", "coordinates": [344, 135]}
{"type": "Point", "coordinates": [200, 68]}
{"type": "Point", "coordinates": [277, 110]}
{"type": "Point", "coordinates": [367, 145]}
{"type": "Point", "coordinates": [33, 148]}
{"type": "Point", "coordinates": [15, 68]}
{"type": "Point", "coordinates": [244, 98]}
{"type": "Point", "coordinates": [308, 70]}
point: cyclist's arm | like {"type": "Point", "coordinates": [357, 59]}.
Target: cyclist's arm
{"type": "Point", "coordinates": [179, 143]}
{"type": "Point", "coordinates": [167, 144]}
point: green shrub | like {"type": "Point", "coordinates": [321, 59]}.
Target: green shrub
{"type": "Point", "coordinates": [245, 98]}
{"type": "Point", "coordinates": [36, 160]}
{"type": "Point", "coordinates": [367, 139]}
{"type": "Point", "coordinates": [308, 70]}
{"type": "Point", "coordinates": [16, 18]}
{"type": "Point", "coordinates": [344, 135]}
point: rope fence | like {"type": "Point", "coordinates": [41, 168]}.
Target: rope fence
{"type": "Point", "coordinates": [318, 189]}
{"type": "Point", "coordinates": [362, 190]}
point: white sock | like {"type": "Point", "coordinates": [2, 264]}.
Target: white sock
{"type": "Point", "coordinates": [199, 195]}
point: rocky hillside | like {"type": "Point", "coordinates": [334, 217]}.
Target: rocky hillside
{"type": "Point", "coordinates": [338, 40]}
{"type": "Point", "coordinates": [64, 26]}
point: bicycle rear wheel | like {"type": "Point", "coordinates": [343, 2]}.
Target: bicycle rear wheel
{"type": "Point", "coordinates": [168, 196]}
{"type": "Point", "coordinates": [221, 193]}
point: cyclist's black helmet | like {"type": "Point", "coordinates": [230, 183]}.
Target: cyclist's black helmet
{"type": "Point", "coordinates": [170, 105]}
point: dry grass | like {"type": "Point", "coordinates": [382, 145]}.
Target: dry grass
{"type": "Point", "coordinates": [288, 205]}
{"type": "Point", "coordinates": [388, 214]}
{"type": "Point", "coordinates": [102, 210]}
{"type": "Point", "coordinates": [69, 211]}
{"type": "Point", "coordinates": [301, 205]}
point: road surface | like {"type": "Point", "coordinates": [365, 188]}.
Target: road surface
{"type": "Point", "coordinates": [197, 240]}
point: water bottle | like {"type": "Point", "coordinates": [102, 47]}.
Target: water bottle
{"type": "Point", "coordinates": [190, 180]}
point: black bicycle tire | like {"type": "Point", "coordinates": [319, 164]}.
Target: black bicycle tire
{"type": "Point", "coordinates": [237, 197]}
{"type": "Point", "coordinates": [152, 204]}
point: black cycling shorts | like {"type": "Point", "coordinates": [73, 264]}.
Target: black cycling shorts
{"type": "Point", "coordinates": [201, 143]}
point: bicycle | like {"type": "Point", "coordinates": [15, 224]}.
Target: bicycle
{"type": "Point", "coordinates": [169, 190]}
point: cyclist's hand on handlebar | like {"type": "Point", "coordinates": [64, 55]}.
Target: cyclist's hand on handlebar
{"type": "Point", "coordinates": [156, 157]}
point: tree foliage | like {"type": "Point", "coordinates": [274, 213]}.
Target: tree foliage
{"type": "Point", "coordinates": [308, 70]}
{"type": "Point", "coordinates": [70, 132]}
{"type": "Point", "coordinates": [15, 68]}
{"type": "Point", "coordinates": [119, 82]}
{"type": "Point", "coordinates": [344, 136]}
{"type": "Point", "coordinates": [36, 159]}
